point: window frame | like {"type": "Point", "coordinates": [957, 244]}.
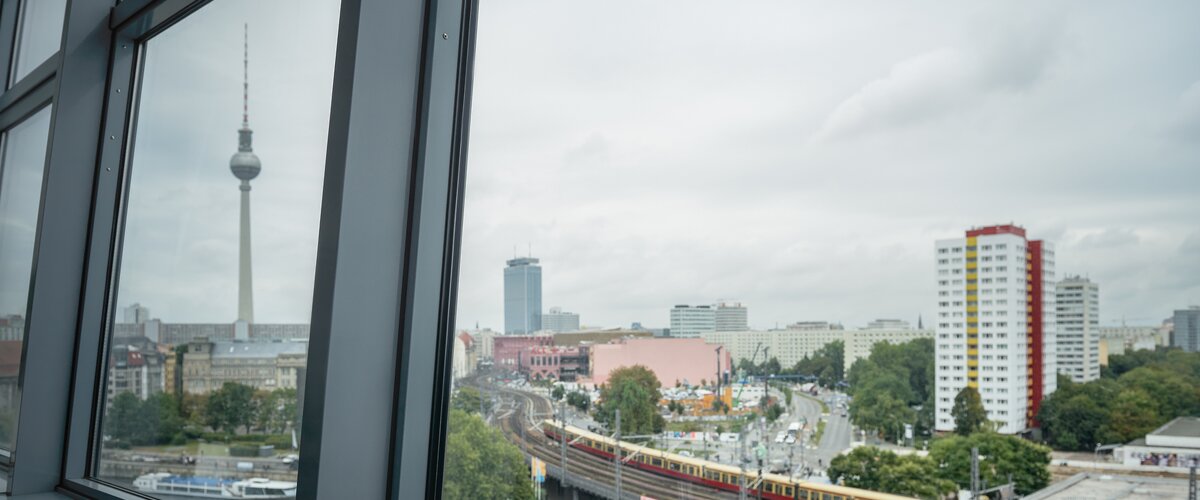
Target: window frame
{"type": "Point", "coordinates": [396, 151]}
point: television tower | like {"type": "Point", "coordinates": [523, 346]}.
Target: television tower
{"type": "Point", "coordinates": [245, 165]}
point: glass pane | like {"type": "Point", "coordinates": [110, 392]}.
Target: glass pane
{"type": "Point", "coordinates": [21, 169]}
{"type": "Point", "coordinates": [39, 35]}
{"type": "Point", "coordinates": [767, 234]}
{"type": "Point", "coordinates": [209, 331]}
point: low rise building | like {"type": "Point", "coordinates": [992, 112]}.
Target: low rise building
{"type": "Point", "coordinates": [483, 341]}
{"type": "Point", "coordinates": [208, 365]}
{"type": "Point", "coordinates": [567, 364]}
{"type": "Point", "coordinates": [135, 369]}
{"type": "Point", "coordinates": [184, 333]}
{"type": "Point", "coordinates": [792, 345]}
{"type": "Point", "coordinates": [12, 327]}
{"type": "Point", "coordinates": [598, 336]}
{"type": "Point", "coordinates": [673, 360]}
{"type": "Point", "coordinates": [1175, 444]}
{"type": "Point", "coordinates": [1093, 485]}
{"type": "Point", "coordinates": [507, 349]}
{"type": "Point", "coordinates": [465, 356]}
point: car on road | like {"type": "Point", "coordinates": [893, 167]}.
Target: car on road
{"type": "Point", "coordinates": [790, 440]}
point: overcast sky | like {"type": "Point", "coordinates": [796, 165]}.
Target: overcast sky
{"type": "Point", "coordinates": [801, 157]}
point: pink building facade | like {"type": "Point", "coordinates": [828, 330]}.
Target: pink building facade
{"type": "Point", "coordinates": [672, 360]}
{"type": "Point", "coordinates": [507, 350]}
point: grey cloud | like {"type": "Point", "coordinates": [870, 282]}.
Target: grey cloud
{"type": "Point", "coordinates": [941, 81]}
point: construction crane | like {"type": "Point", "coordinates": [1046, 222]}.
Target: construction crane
{"type": "Point", "coordinates": [757, 347]}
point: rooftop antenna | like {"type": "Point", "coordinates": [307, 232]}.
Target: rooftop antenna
{"type": "Point", "coordinates": [530, 248]}
{"type": "Point", "coordinates": [246, 75]}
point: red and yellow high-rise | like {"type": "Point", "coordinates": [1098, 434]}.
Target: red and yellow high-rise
{"type": "Point", "coordinates": [995, 325]}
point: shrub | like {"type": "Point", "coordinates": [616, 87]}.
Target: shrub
{"type": "Point", "coordinates": [243, 450]}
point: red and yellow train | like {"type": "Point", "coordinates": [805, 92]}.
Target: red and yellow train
{"type": "Point", "coordinates": [712, 474]}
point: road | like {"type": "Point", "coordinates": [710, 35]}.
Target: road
{"type": "Point", "coordinates": [797, 456]}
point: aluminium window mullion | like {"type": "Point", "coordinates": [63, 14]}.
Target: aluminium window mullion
{"type": "Point", "coordinates": [381, 300]}
{"type": "Point", "coordinates": [431, 282]}
{"type": "Point", "coordinates": [78, 88]}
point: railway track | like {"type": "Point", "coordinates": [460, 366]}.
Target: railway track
{"type": "Point", "coordinates": [520, 424]}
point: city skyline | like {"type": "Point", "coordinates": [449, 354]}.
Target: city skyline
{"type": "Point", "coordinates": [809, 197]}
{"type": "Point", "coordinates": [807, 165]}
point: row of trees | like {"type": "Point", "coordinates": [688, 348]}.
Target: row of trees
{"type": "Point", "coordinates": [826, 365]}
{"type": "Point", "coordinates": [892, 387]}
{"type": "Point", "coordinates": [165, 419]}
{"type": "Point", "coordinates": [1137, 393]}
{"type": "Point", "coordinates": [947, 467]}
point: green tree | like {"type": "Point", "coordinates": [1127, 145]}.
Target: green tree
{"type": "Point", "coordinates": [871, 468]}
{"type": "Point", "coordinates": [275, 410]}
{"type": "Point", "coordinates": [231, 407]}
{"type": "Point", "coordinates": [161, 416]}
{"type": "Point", "coordinates": [1025, 461]}
{"type": "Point", "coordinates": [770, 367]}
{"type": "Point", "coordinates": [969, 415]}
{"type": "Point", "coordinates": [579, 400]}
{"type": "Point", "coordinates": [123, 421]}
{"type": "Point", "coordinates": [1171, 393]}
{"type": "Point", "coordinates": [825, 365]}
{"type": "Point", "coordinates": [1133, 415]}
{"type": "Point", "coordinates": [468, 399]}
{"type": "Point", "coordinates": [558, 392]}
{"type": "Point", "coordinates": [633, 390]}
{"type": "Point", "coordinates": [1120, 364]}
{"type": "Point", "coordinates": [881, 412]}
{"type": "Point", "coordinates": [1073, 424]}
{"type": "Point", "coordinates": [480, 463]}
{"type": "Point", "coordinates": [774, 412]}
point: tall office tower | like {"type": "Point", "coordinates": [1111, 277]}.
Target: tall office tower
{"type": "Point", "coordinates": [995, 326]}
{"type": "Point", "coordinates": [1078, 313]}
{"type": "Point", "coordinates": [522, 296]}
{"type": "Point", "coordinates": [731, 317]}
{"type": "Point", "coordinates": [690, 321]}
{"type": "Point", "coordinates": [1187, 329]}
{"type": "Point", "coordinates": [559, 321]}
{"type": "Point", "coordinates": [245, 165]}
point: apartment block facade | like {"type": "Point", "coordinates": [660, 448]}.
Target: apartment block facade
{"type": "Point", "coordinates": [995, 325]}
{"type": "Point", "coordinates": [1078, 313]}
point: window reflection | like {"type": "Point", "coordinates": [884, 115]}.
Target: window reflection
{"type": "Point", "coordinates": [39, 34]}
{"type": "Point", "coordinates": [209, 331]}
{"type": "Point", "coordinates": [21, 169]}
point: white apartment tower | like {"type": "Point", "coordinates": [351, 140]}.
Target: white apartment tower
{"type": "Point", "coordinates": [1078, 306]}
{"type": "Point", "coordinates": [995, 326]}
